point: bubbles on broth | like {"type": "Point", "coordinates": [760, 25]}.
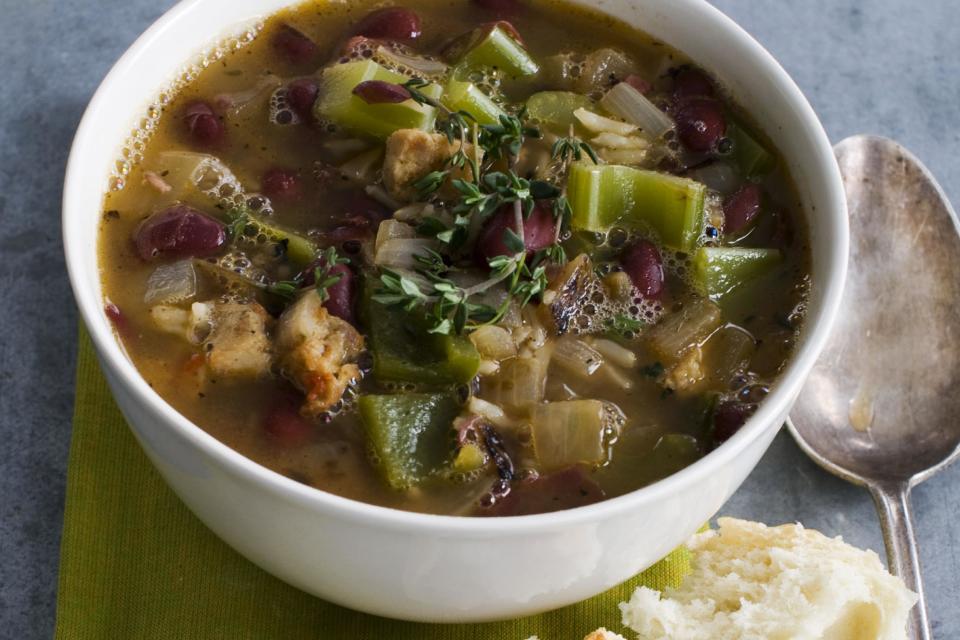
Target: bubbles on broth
{"type": "Point", "coordinates": [600, 310]}
{"type": "Point", "coordinates": [215, 180]}
{"type": "Point", "coordinates": [280, 111]}
{"type": "Point", "coordinates": [131, 154]}
{"type": "Point", "coordinates": [395, 57]}
{"type": "Point", "coordinates": [489, 81]}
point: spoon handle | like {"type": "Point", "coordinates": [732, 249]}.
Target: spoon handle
{"type": "Point", "coordinates": [896, 520]}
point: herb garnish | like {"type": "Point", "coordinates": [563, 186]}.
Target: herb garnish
{"type": "Point", "coordinates": [323, 275]}
{"type": "Point", "coordinates": [489, 184]}
{"type": "Point", "coordinates": [624, 326]}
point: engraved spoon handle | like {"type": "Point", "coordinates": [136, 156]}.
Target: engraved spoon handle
{"type": "Point", "coordinates": [896, 520]}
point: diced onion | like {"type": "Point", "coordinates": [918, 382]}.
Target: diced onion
{"type": "Point", "coordinates": [623, 156]}
{"type": "Point", "coordinates": [489, 411]}
{"type": "Point", "coordinates": [414, 213]}
{"type": "Point", "coordinates": [600, 124]}
{"type": "Point", "coordinates": [495, 343]}
{"type": "Point", "coordinates": [631, 105]}
{"type": "Point", "coordinates": [234, 103]}
{"type": "Point", "coordinates": [615, 375]}
{"type": "Point", "coordinates": [570, 432]}
{"type": "Point", "coordinates": [392, 229]}
{"type": "Point", "coordinates": [432, 69]}
{"type": "Point", "coordinates": [488, 368]}
{"type": "Point", "coordinates": [684, 329]}
{"type": "Point", "coordinates": [201, 321]}
{"type": "Point", "coordinates": [398, 253]}
{"type": "Point", "coordinates": [521, 383]}
{"type": "Point", "coordinates": [361, 168]}
{"type": "Point", "coordinates": [173, 282]}
{"type": "Point", "coordinates": [728, 350]}
{"type": "Point", "coordinates": [576, 356]}
{"type": "Point", "coordinates": [615, 353]}
{"type": "Point", "coordinates": [616, 141]}
{"type": "Point", "coordinates": [170, 319]}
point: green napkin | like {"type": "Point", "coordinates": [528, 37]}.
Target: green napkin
{"type": "Point", "coordinates": [135, 563]}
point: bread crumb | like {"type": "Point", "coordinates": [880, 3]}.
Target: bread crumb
{"type": "Point", "coordinates": [753, 582]}
{"type": "Point", "coordinates": [603, 634]}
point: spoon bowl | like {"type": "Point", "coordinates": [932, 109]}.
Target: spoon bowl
{"type": "Point", "coordinates": [880, 407]}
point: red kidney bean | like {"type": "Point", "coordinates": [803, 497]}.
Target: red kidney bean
{"type": "Point", "coordinates": [348, 238]}
{"type": "Point", "coordinates": [284, 424]}
{"type": "Point", "coordinates": [294, 45]}
{"type": "Point", "coordinates": [539, 231]}
{"type": "Point", "coordinates": [692, 83]}
{"type": "Point", "coordinates": [380, 92]}
{"type": "Point", "coordinates": [390, 23]}
{"type": "Point", "coordinates": [638, 83]}
{"type": "Point", "coordinates": [301, 94]}
{"type": "Point", "coordinates": [179, 231]}
{"type": "Point", "coordinates": [701, 124]}
{"type": "Point", "coordinates": [500, 8]}
{"type": "Point", "coordinates": [203, 127]}
{"type": "Point", "coordinates": [642, 262]}
{"type": "Point", "coordinates": [281, 185]}
{"type": "Point", "coordinates": [741, 207]}
{"type": "Point", "coordinates": [728, 417]}
{"type": "Point", "coordinates": [341, 294]}
{"type": "Point", "coordinates": [117, 318]}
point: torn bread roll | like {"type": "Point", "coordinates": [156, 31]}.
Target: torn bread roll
{"type": "Point", "coordinates": [754, 582]}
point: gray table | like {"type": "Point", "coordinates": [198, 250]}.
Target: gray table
{"type": "Point", "coordinates": [881, 66]}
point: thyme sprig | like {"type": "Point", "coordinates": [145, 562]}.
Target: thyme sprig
{"type": "Point", "coordinates": [572, 148]}
{"type": "Point", "coordinates": [490, 184]}
{"type": "Point", "coordinates": [323, 277]}
{"type": "Point", "coordinates": [451, 308]}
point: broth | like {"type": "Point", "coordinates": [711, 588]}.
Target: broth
{"type": "Point", "coordinates": [658, 411]}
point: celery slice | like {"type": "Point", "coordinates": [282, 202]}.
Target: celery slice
{"type": "Point", "coordinates": [409, 433]}
{"type": "Point", "coordinates": [719, 270]}
{"type": "Point", "coordinates": [466, 96]}
{"type": "Point", "coordinates": [498, 49]}
{"type": "Point", "coordinates": [338, 104]}
{"type": "Point", "coordinates": [555, 108]}
{"type": "Point", "coordinates": [751, 156]}
{"type": "Point", "coordinates": [604, 195]}
{"type": "Point", "coordinates": [247, 227]}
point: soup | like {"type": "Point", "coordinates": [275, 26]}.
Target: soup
{"type": "Point", "coordinates": [461, 258]}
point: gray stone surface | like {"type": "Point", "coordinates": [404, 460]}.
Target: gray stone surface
{"type": "Point", "coordinates": [881, 66]}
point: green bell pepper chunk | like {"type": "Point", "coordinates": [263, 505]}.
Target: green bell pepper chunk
{"type": "Point", "coordinates": [748, 154]}
{"type": "Point", "coordinates": [338, 104]}
{"type": "Point", "coordinates": [555, 108]}
{"type": "Point", "coordinates": [409, 433]}
{"type": "Point", "coordinates": [403, 351]}
{"type": "Point", "coordinates": [466, 96]}
{"type": "Point", "coordinates": [719, 270]}
{"type": "Point", "coordinates": [497, 48]}
{"type": "Point", "coordinates": [300, 250]}
{"type": "Point", "coordinates": [604, 195]}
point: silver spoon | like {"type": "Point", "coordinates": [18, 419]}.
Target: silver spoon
{"type": "Point", "coordinates": [880, 407]}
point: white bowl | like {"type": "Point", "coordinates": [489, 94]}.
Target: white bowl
{"type": "Point", "coordinates": [439, 568]}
